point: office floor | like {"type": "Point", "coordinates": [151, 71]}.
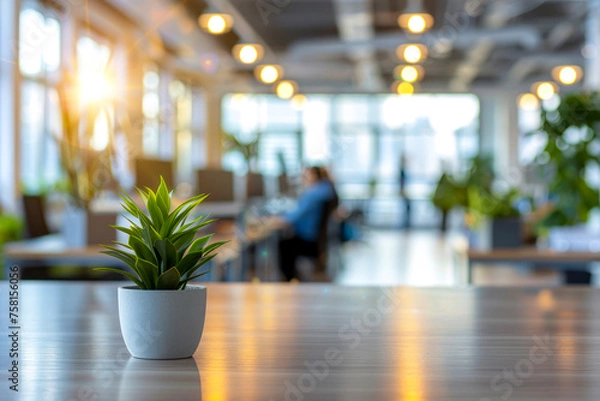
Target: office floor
{"type": "Point", "coordinates": [423, 258]}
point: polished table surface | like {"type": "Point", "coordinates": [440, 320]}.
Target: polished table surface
{"type": "Point", "coordinates": [318, 342]}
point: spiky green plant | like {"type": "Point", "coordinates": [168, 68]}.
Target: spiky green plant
{"type": "Point", "coordinates": [162, 250]}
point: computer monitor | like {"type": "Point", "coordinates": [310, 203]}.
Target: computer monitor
{"type": "Point", "coordinates": [217, 183]}
{"type": "Point", "coordinates": [255, 186]}
{"type": "Point", "coordinates": [149, 171]}
{"type": "Point", "coordinates": [283, 182]}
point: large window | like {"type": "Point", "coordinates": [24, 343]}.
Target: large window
{"type": "Point", "coordinates": [181, 96]}
{"type": "Point", "coordinates": [151, 110]}
{"type": "Point", "coordinates": [96, 84]}
{"type": "Point", "coordinates": [39, 61]}
{"type": "Point", "coordinates": [361, 137]}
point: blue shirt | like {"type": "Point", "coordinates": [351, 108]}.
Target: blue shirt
{"type": "Point", "coordinates": [306, 217]}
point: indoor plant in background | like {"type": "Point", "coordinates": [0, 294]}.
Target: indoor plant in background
{"type": "Point", "coordinates": [494, 218]}
{"type": "Point", "coordinates": [247, 148]}
{"type": "Point", "coordinates": [86, 160]}
{"type": "Point", "coordinates": [162, 317]}
{"type": "Point", "coordinates": [11, 229]}
{"type": "Point", "coordinates": [446, 197]}
{"type": "Point", "coordinates": [452, 191]}
{"type": "Point", "coordinates": [572, 149]}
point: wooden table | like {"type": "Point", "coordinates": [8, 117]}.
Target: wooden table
{"type": "Point", "coordinates": [530, 255]}
{"type": "Point", "coordinates": [317, 342]}
{"type": "Point", "coordinates": [52, 250]}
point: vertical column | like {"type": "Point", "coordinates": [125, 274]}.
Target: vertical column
{"type": "Point", "coordinates": [167, 116]}
{"type": "Point", "coordinates": [198, 122]}
{"type": "Point", "coordinates": [9, 104]}
{"type": "Point", "coordinates": [212, 101]}
{"type": "Point", "coordinates": [592, 38]}
{"type": "Point", "coordinates": [499, 128]}
{"type": "Point", "coordinates": [134, 96]}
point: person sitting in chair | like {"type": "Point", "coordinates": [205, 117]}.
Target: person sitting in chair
{"type": "Point", "coordinates": [305, 220]}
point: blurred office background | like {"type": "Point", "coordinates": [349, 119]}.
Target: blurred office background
{"type": "Point", "coordinates": [461, 135]}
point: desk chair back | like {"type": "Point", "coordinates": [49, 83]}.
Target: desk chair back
{"type": "Point", "coordinates": [218, 183]}
{"type": "Point", "coordinates": [34, 207]}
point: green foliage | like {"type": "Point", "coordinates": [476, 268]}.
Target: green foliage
{"type": "Point", "coordinates": [162, 249]}
{"type": "Point", "coordinates": [248, 149]}
{"type": "Point", "coordinates": [452, 191]}
{"type": "Point", "coordinates": [11, 229]}
{"type": "Point", "coordinates": [481, 173]}
{"type": "Point", "coordinates": [571, 133]}
{"type": "Point", "coordinates": [448, 193]}
{"type": "Point", "coordinates": [484, 203]}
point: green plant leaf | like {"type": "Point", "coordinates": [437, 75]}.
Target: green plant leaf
{"type": "Point", "coordinates": [199, 264]}
{"type": "Point", "coordinates": [169, 280]}
{"type": "Point", "coordinates": [123, 273]}
{"type": "Point", "coordinates": [150, 236]}
{"type": "Point", "coordinates": [128, 258]}
{"type": "Point", "coordinates": [163, 198]}
{"type": "Point", "coordinates": [168, 254]}
{"type": "Point", "coordinates": [183, 242]}
{"type": "Point", "coordinates": [141, 249]}
{"type": "Point", "coordinates": [189, 261]}
{"type": "Point", "coordinates": [198, 245]}
{"type": "Point", "coordinates": [214, 246]}
{"type": "Point", "coordinates": [155, 212]}
{"type": "Point", "coordinates": [179, 215]}
{"type": "Point", "coordinates": [148, 272]}
{"type": "Point", "coordinates": [185, 281]}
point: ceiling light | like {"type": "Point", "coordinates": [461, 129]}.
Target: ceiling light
{"type": "Point", "coordinates": [414, 19]}
{"type": "Point", "coordinates": [544, 90]}
{"type": "Point", "coordinates": [216, 23]}
{"type": "Point", "coordinates": [412, 53]}
{"type": "Point", "coordinates": [286, 89]}
{"type": "Point", "coordinates": [268, 73]}
{"type": "Point", "coordinates": [528, 102]}
{"type": "Point", "coordinates": [298, 101]}
{"type": "Point", "coordinates": [403, 88]}
{"type": "Point", "coordinates": [409, 73]}
{"type": "Point", "coordinates": [567, 74]}
{"type": "Point", "coordinates": [247, 53]}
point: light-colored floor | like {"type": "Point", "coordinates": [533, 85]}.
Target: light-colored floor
{"type": "Point", "coordinates": [424, 258]}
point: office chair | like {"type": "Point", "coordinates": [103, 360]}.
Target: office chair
{"type": "Point", "coordinates": [218, 183]}
{"type": "Point", "coordinates": [34, 207]}
{"type": "Point", "coordinates": [255, 186]}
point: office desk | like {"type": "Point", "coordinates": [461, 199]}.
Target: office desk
{"type": "Point", "coordinates": [530, 255]}
{"type": "Point", "coordinates": [52, 250]}
{"type": "Point", "coordinates": [318, 342]}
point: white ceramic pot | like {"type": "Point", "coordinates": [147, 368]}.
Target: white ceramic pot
{"type": "Point", "coordinates": [162, 324]}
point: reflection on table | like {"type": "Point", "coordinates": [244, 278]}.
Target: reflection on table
{"type": "Point", "coordinates": [320, 342]}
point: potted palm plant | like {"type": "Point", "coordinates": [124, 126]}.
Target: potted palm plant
{"type": "Point", "coordinates": [494, 218]}
{"type": "Point", "coordinates": [162, 317]}
{"type": "Point", "coordinates": [87, 165]}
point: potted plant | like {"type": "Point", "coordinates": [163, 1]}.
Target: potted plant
{"type": "Point", "coordinates": [494, 218]}
{"type": "Point", "coordinates": [447, 195]}
{"type": "Point", "coordinates": [372, 186]}
{"type": "Point", "coordinates": [162, 317]}
{"type": "Point", "coordinates": [247, 148]}
{"type": "Point", "coordinates": [453, 191]}
{"type": "Point", "coordinates": [11, 228]}
{"type": "Point", "coordinates": [86, 165]}
{"type": "Point", "coordinates": [571, 133]}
